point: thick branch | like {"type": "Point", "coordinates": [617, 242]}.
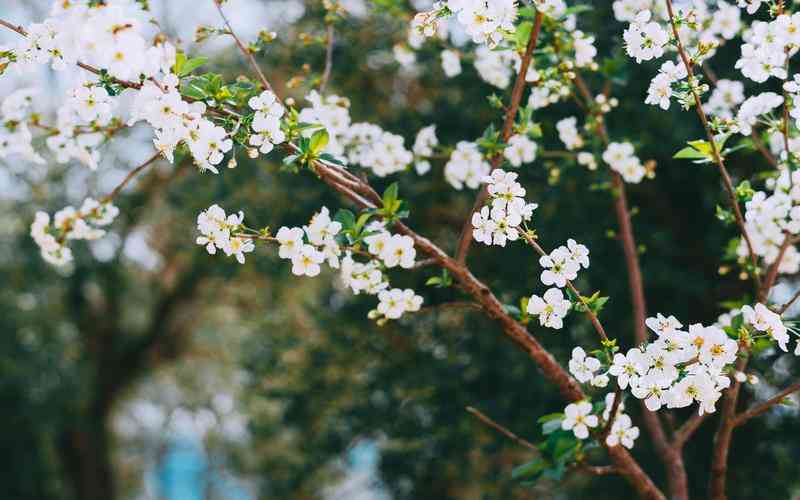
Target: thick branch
{"type": "Point", "coordinates": [722, 440]}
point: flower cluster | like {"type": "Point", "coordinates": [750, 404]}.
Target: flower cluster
{"type": "Point", "coordinates": [363, 144]}
{"type": "Point", "coordinates": [579, 419]}
{"type": "Point", "coordinates": [563, 263]}
{"type": "Point", "coordinates": [221, 231]}
{"type": "Point", "coordinates": [70, 224]}
{"type": "Point", "coordinates": [551, 308]}
{"type": "Point", "coordinates": [485, 21]}
{"type": "Point", "coordinates": [266, 122]}
{"type": "Point", "coordinates": [568, 133]}
{"type": "Point", "coordinates": [520, 150]}
{"type": "Point", "coordinates": [424, 147]}
{"type": "Point", "coordinates": [499, 222]}
{"type": "Point", "coordinates": [176, 121]}
{"type": "Point", "coordinates": [394, 303]}
{"type": "Point", "coordinates": [112, 36]}
{"type": "Point", "coordinates": [620, 156]}
{"type": "Point", "coordinates": [15, 135]}
{"type": "Point", "coordinates": [681, 367]}
{"type": "Point", "coordinates": [767, 47]}
{"type": "Point", "coordinates": [769, 220]}
{"type": "Point", "coordinates": [645, 39]}
{"type": "Point", "coordinates": [466, 166]}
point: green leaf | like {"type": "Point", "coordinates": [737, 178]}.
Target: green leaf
{"type": "Point", "coordinates": [522, 35]}
{"type": "Point", "coordinates": [690, 153]}
{"type": "Point", "coordinates": [434, 281]}
{"type": "Point", "coordinates": [725, 215]}
{"type": "Point", "coordinates": [551, 426]}
{"type": "Point", "coordinates": [318, 141]}
{"type": "Point", "coordinates": [180, 60]}
{"type": "Point", "coordinates": [528, 469]}
{"type": "Point", "coordinates": [390, 197]}
{"type": "Point", "coordinates": [346, 218]}
{"type": "Point", "coordinates": [191, 65]}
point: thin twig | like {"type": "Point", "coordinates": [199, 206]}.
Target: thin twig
{"type": "Point", "coordinates": [499, 428]}
{"type": "Point", "coordinates": [589, 313]}
{"type": "Point", "coordinates": [772, 274]}
{"type": "Point", "coordinates": [766, 405]}
{"type": "Point", "coordinates": [688, 428]}
{"type": "Point", "coordinates": [511, 115]}
{"type": "Point", "coordinates": [133, 173]}
{"type": "Point", "coordinates": [247, 53]}
{"type": "Point", "coordinates": [726, 178]}
{"type": "Point", "coordinates": [326, 74]}
{"type": "Point", "coordinates": [788, 304]}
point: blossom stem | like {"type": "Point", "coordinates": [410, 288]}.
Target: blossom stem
{"type": "Point", "coordinates": [589, 313]}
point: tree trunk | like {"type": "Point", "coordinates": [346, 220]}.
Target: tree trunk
{"type": "Point", "coordinates": [86, 458]}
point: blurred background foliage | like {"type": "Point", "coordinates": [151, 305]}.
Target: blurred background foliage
{"type": "Point", "coordinates": [285, 377]}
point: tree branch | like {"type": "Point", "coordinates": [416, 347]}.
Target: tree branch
{"type": "Point", "coordinates": [133, 173]}
{"type": "Point", "coordinates": [502, 430]}
{"type": "Point", "coordinates": [326, 74]}
{"type": "Point", "coordinates": [722, 439]}
{"type": "Point", "coordinates": [762, 408]}
{"type": "Point", "coordinates": [726, 178]}
{"type": "Point", "coordinates": [245, 51]}
{"type": "Point", "coordinates": [511, 115]}
{"type": "Point", "coordinates": [688, 428]}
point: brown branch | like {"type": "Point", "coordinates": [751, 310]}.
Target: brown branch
{"type": "Point", "coordinates": [635, 280]}
{"type": "Point", "coordinates": [722, 439]}
{"type": "Point", "coordinates": [772, 274]}
{"type": "Point", "coordinates": [762, 408]}
{"type": "Point", "coordinates": [688, 428]}
{"type": "Point", "coordinates": [499, 428]}
{"type": "Point", "coordinates": [511, 115]}
{"type": "Point", "coordinates": [613, 413]}
{"type": "Point", "coordinates": [133, 173]}
{"type": "Point", "coordinates": [788, 304]}
{"type": "Point", "coordinates": [726, 178]}
{"type": "Point", "coordinates": [326, 74]}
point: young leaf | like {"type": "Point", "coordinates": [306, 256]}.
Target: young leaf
{"type": "Point", "coordinates": [192, 64]}
{"type": "Point", "coordinates": [318, 141]}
